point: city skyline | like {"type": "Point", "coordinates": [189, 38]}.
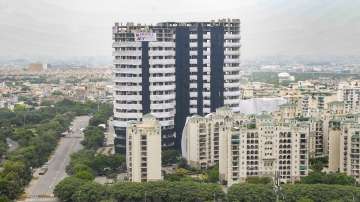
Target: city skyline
{"type": "Point", "coordinates": [66, 28]}
{"type": "Point", "coordinates": [205, 100]}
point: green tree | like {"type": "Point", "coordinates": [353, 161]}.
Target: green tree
{"type": "Point", "coordinates": [331, 178]}
{"type": "Point", "coordinates": [57, 93]}
{"type": "Point", "coordinates": [3, 147]}
{"type": "Point", "coordinates": [90, 192]}
{"type": "Point", "coordinates": [67, 188]}
{"type": "Point", "coordinates": [79, 167]}
{"type": "Point", "coordinates": [320, 192]}
{"type": "Point", "coordinates": [213, 174]}
{"type": "Point", "coordinates": [93, 137]}
{"type": "Point", "coordinates": [170, 156]}
{"type": "Point", "coordinates": [4, 199]}
{"type": "Point", "coordinates": [85, 175]}
{"type": "Point", "coordinates": [166, 191]}
{"type": "Point", "coordinates": [303, 199]}
{"type": "Point", "coordinates": [16, 171]}
{"type": "Point", "coordinates": [259, 180]}
{"type": "Point", "coordinates": [102, 116]}
{"type": "Point", "coordinates": [317, 164]}
{"type": "Point", "coordinates": [36, 141]}
{"type": "Point", "coordinates": [251, 192]}
{"type": "Point", "coordinates": [19, 107]}
{"type": "Point", "coordinates": [9, 189]}
{"type": "Point", "coordinates": [97, 164]}
{"type": "Point", "coordinates": [23, 136]}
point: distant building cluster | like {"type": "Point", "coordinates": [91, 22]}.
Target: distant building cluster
{"type": "Point", "coordinates": [278, 143]}
{"type": "Point", "coordinates": [35, 85]}
{"type": "Point", "coordinates": [311, 124]}
{"type": "Point", "coordinates": [37, 67]}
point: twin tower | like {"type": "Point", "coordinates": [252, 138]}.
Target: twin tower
{"type": "Point", "coordinates": [174, 70]}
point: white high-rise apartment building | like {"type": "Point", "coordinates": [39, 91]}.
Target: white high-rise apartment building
{"type": "Point", "coordinates": [264, 151]}
{"type": "Point", "coordinates": [143, 150]}
{"type": "Point", "coordinates": [349, 93]}
{"type": "Point", "coordinates": [350, 150]}
{"type": "Point", "coordinates": [246, 145]}
{"type": "Point", "coordinates": [173, 70]}
{"type": "Point", "coordinates": [201, 144]}
{"type": "Point", "coordinates": [344, 145]}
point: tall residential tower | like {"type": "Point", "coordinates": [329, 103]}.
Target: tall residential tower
{"type": "Point", "coordinates": [143, 152]}
{"type": "Point", "coordinates": [174, 70]}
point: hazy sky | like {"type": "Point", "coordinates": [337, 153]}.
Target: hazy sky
{"type": "Point", "coordinates": [269, 27]}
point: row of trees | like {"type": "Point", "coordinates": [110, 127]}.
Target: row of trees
{"type": "Point", "coordinates": [37, 133]}
{"type": "Point", "coordinates": [36, 145]}
{"type": "Point", "coordinates": [293, 193]}
{"type": "Point", "coordinates": [328, 178]}
{"type": "Point", "coordinates": [75, 189]}
{"type": "Point", "coordinates": [87, 163]}
{"type": "Point", "coordinates": [94, 135]}
{"type": "Point", "coordinates": [102, 115]}
{"type": "Point", "coordinates": [21, 117]}
{"type": "Point", "coordinates": [3, 143]}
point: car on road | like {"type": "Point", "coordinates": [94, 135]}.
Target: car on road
{"type": "Point", "coordinates": [43, 170]}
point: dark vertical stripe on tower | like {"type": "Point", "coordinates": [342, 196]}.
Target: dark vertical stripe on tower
{"type": "Point", "coordinates": [200, 71]}
{"type": "Point", "coordinates": [145, 77]}
{"type": "Point", "coordinates": [217, 64]}
{"type": "Point", "coordinates": [182, 65]}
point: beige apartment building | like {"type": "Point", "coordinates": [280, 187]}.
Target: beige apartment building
{"type": "Point", "coordinates": [344, 145]}
{"type": "Point", "coordinates": [349, 93]}
{"type": "Point", "coordinates": [246, 146]}
{"type": "Point", "coordinates": [201, 137]}
{"type": "Point", "coordinates": [315, 108]}
{"type": "Point", "coordinates": [264, 151]}
{"type": "Point", "coordinates": [143, 150]}
{"type": "Point", "coordinates": [258, 90]}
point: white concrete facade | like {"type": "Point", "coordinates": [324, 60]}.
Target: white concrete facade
{"type": "Point", "coordinates": [158, 56]}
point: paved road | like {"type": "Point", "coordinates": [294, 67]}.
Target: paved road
{"type": "Point", "coordinates": [110, 135]}
{"type": "Point", "coordinates": [13, 145]}
{"type": "Point", "coordinates": [108, 148]}
{"type": "Point", "coordinates": [41, 189]}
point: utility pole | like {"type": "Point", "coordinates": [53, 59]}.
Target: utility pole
{"type": "Point", "coordinates": [24, 118]}
{"type": "Point", "coordinates": [277, 187]}
{"type": "Point", "coordinates": [98, 103]}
